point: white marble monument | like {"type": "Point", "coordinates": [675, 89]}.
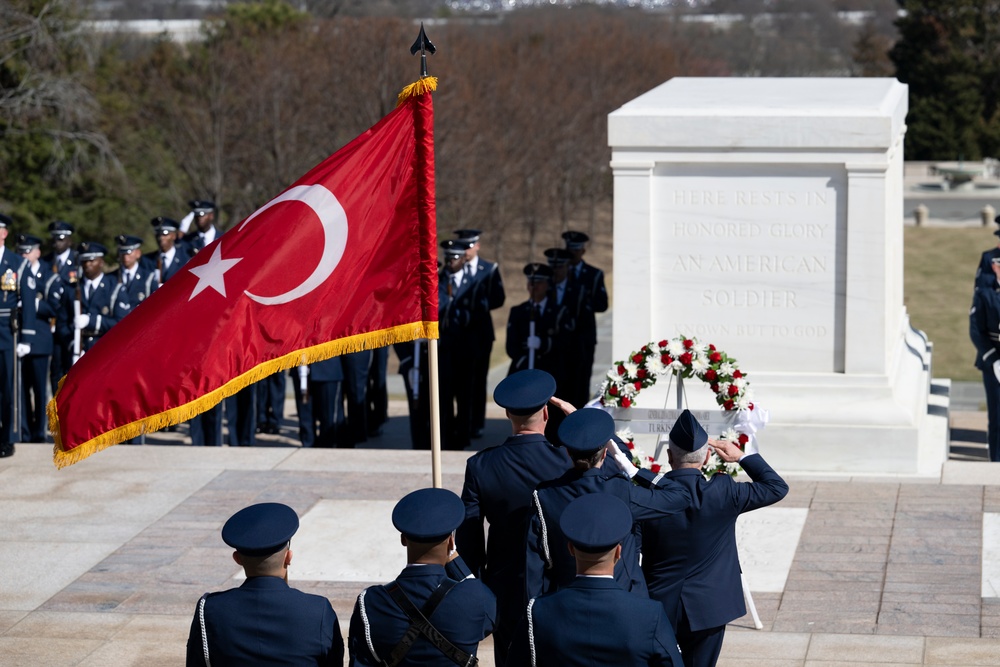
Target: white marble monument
{"type": "Point", "coordinates": [765, 216]}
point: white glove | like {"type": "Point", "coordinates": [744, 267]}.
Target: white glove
{"type": "Point", "coordinates": [81, 321]}
{"type": "Point", "coordinates": [303, 377]}
{"type": "Point", "coordinates": [996, 369]}
{"type": "Point", "coordinates": [626, 464]}
{"type": "Point", "coordinates": [22, 349]}
{"type": "Point", "coordinates": [186, 222]}
{"type": "Point", "coordinates": [534, 342]}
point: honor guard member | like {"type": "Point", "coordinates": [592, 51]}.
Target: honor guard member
{"type": "Point", "coordinates": [984, 330]}
{"type": "Point", "coordinates": [377, 391]}
{"type": "Point", "coordinates": [690, 559]}
{"type": "Point", "coordinates": [434, 613]}
{"type": "Point", "coordinates": [264, 621]}
{"type": "Point", "coordinates": [319, 402]}
{"type": "Point", "coordinates": [356, 366]}
{"type": "Point", "coordinates": [457, 347]}
{"type": "Point", "coordinates": [204, 231]}
{"type": "Point", "coordinates": [135, 273]}
{"type": "Point", "coordinates": [589, 280]}
{"type": "Point", "coordinates": [591, 620]}
{"type": "Point", "coordinates": [499, 482]}
{"type": "Point", "coordinates": [171, 255]}
{"type": "Point", "coordinates": [984, 272]}
{"type": "Point", "coordinates": [488, 294]}
{"type": "Point", "coordinates": [17, 331]}
{"type": "Point", "coordinates": [587, 436]}
{"type": "Point", "coordinates": [62, 260]}
{"type": "Point", "coordinates": [567, 300]}
{"type": "Point", "coordinates": [529, 348]}
{"type": "Point", "coordinates": [103, 300]}
{"type": "Point", "coordinates": [35, 364]}
{"type": "Point", "coordinates": [270, 403]}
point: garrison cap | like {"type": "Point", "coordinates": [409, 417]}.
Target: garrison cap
{"type": "Point", "coordinates": [453, 248]}
{"type": "Point", "coordinates": [163, 225]}
{"type": "Point", "coordinates": [127, 243]}
{"type": "Point", "coordinates": [558, 256]}
{"type": "Point", "coordinates": [202, 206]}
{"type": "Point", "coordinates": [596, 522]}
{"type": "Point", "coordinates": [525, 392]}
{"type": "Point", "coordinates": [470, 235]}
{"type": "Point", "coordinates": [575, 240]}
{"type": "Point", "coordinates": [261, 529]}
{"type": "Point", "coordinates": [687, 433]}
{"type": "Point", "coordinates": [537, 271]}
{"type": "Point", "coordinates": [586, 430]}
{"type": "Point", "coordinates": [25, 242]}
{"type": "Point", "coordinates": [60, 228]}
{"type": "Point", "coordinates": [428, 515]}
{"type": "Point", "coordinates": [5, 220]}
{"type": "Point", "coordinates": [89, 250]}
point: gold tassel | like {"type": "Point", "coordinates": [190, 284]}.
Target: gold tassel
{"type": "Point", "coordinates": [426, 84]}
{"type": "Point", "coordinates": [368, 341]}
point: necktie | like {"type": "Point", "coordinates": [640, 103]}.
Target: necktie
{"type": "Point", "coordinates": [86, 290]}
{"type": "Point", "coordinates": [125, 278]}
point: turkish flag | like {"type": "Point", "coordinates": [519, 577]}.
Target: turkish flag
{"type": "Point", "coordinates": [343, 260]}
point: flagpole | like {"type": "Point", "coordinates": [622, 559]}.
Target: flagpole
{"type": "Point", "coordinates": [432, 359]}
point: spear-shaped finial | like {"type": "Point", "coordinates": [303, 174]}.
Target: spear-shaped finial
{"type": "Point", "coordinates": [424, 46]}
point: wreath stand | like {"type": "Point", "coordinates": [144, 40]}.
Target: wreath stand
{"type": "Point", "coordinates": [681, 401]}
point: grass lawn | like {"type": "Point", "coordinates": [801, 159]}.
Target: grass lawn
{"type": "Point", "coordinates": [939, 267]}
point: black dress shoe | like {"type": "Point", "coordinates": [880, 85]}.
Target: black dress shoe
{"type": "Point", "coordinates": [6, 449]}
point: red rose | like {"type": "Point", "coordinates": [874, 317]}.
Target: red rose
{"type": "Point", "coordinates": [630, 444]}
{"type": "Point", "coordinates": [666, 359]}
{"type": "Point", "coordinates": [711, 375]}
{"type": "Point", "coordinates": [638, 386]}
{"type": "Point", "coordinates": [733, 390]}
{"type": "Point", "coordinates": [641, 373]}
{"type": "Point", "coordinates": [686, 358]}
{"type": "Point", "coordinates": [751, 406]}
{"type": "Point", "coordinates": [637, 358]}
{"type": "Point", "coordinates": [715, 357]}
{"type": "Point", "coordinates": [688, 344]}
{"type": "Point", "coordinates": [711, 347]}
{"type": "Point", "coordinates": [743, 439]}
{"type": "Point", "coordinates": [654, 468]}
{"type": "Point", "coordinates": [626, 402]}
{"type": "Point", "coordinates": [737, 374]}
{"type": "Point", "coordinates": [715, 387]}
{"type": "Point", "coordinates": [621, 369]}
{"type": "Point", "coordinates": [728, 404]}
{"type": "Point", "coordinates": [664, 343]}
{"type": "Point", "coordinates": [613, 390]}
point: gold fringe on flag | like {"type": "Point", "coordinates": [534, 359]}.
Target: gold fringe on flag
{"type": "Point", "coordinates": [426, 84]}
{"type": "Point", "coordinates": [368, 341]}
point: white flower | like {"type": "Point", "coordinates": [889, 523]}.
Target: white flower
{"type": "Point", "coordinates": [699, 364]}
{"type": "Point", "coordinates": [739, 383]}
{"type": "Point", "coordinates": [655, 365]}
{"type": "Point", "coordinates": [700, 348]}
{"type": "Point", "coordinates": [726, 368]}
{"type": "Point", "coordinates": [625, 434]}
{"type": "Point", "coordinates": [743, 403]}
{"type": "Point", "coordinates": [676, 348]}
{"type": "Point", "coordinates": [676, 365]}
{"type": "Point", "coordinates": [613, 374]}
{"type": "Point", "coordinates": [730, 434]}
{"type": "Point", "coordinates": [723, 388]}
{"type": "Point", "coordinates": [631, 369]}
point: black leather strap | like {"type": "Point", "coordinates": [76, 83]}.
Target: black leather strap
{"type": "Point", "coordinates": [419, 625]}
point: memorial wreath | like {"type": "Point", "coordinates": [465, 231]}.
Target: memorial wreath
{"type": "Point", "coordinates": [686, 358]}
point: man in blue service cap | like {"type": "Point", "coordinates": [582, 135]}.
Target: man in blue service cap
{"type": "Point", "coordinates": [435, 612]}
{"type": "Point", "coordinates": [264, 621]}
{"type": "Point", "coordinates": [591, 620]}
{"type": "Point", "coordinates": [499, 482]}
{"type": "Point", "coordinates": [103, 301]}
{"type": "Point", "coordinates": [62, 260]}
{"type": "Point", "coordinates": [135, 273]}
{"type": "Point", "coordinates": [587, 436]}
{"type": "Point", "coordinates": [690, 559]}
{"type": "Point", "coordinates": [171, 255]}
{"type": "Point", "coordinates": [589, 281]}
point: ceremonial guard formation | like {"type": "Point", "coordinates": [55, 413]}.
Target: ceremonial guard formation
{"type": "Point", "coordinates": [434, 613]}
{"type": "Point", "coordinates": [264, 621]}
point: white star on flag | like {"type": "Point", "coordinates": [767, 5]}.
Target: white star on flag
{"type": "Point", "coordinates": [211, 274]}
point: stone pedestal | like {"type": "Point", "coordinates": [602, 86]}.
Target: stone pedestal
{"type": "Point", "coordinates": [765, 216]}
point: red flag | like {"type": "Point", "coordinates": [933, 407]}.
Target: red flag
{"type": "Point", "coordinates": [343, 260]}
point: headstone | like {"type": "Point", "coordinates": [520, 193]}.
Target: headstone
{"type": "Point", "coordinates": [765, 216]}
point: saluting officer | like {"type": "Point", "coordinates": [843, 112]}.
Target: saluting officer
{"type": "Point", "coordinates": [455, 306]}
{"type": "Point", "coordinates": [592, 620]}
{"type": "Point", "coordinates": [264, 621]}
{"type": "Point", "coordinates": [171, 255]}
{"type": "Point", "coordinates": [103, 300]}
{"type": "Point", "coordinates": [567, 299]}
{"type": "Point", "coordinates": [135, 273]}
{"type": "Point", "coordinates": [61, 259]}
{"type": "Point", "coordinates": [594, 299]}
{"type": "Point", "coordinates": [205, 230]}
{"type": "Point", "coordinates": [434, 613]}
{"type": "Point", "coordinates": [488, 294]}
{"type": "Point", "coordinates": [35, 364]}
{"type": "Point", "coordinates": [587, 436]}
{"type": "Point", "coordinates": [690, 559]}
{"type": "Point", "coordinates": [499, 482]}
{"type": "Point", "coordinates": [527, 348]}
